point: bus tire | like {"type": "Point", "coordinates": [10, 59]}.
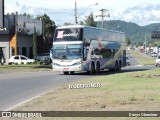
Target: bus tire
{"type": "Point", "coordinates": [97, 67]}
{"type": "Point", "coordinates": [116, 67]}
{"type": "Point", "coordinates": [119, 66]}
{"type": "Point", "coordinates": [92, 69]}
{"type": "Point", "coordinates": [71, 72]}
{"type": "Point", "coordinates": [111, 70]}
{"type": "Point", "coordinates": [65, 73]}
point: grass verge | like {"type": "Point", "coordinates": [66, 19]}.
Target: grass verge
{"type": "Point", "coordinates": [24, 68]}
{"type": "Point", "coordinates": [138, 91]}
{"type": "Point", "coordinates": [143, 59]}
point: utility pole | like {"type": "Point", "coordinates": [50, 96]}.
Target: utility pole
{"type": "Point", "coordinates": [34, 42]}
{"type": "Point", "coordinates": [145, 45]}
{"type": "Point", "coordinates": [16, 33]}
{"type": "Point", "coordinates": [75, 13]}
{"type": "Point", "coordinates": [1, 14]}
{"type": "Point", "coordinates": [102, 15]}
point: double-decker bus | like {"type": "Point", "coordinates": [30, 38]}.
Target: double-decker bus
{"type": "Point", "coordinates": [79, 48]}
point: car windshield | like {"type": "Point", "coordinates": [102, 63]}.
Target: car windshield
{"type": "Point", "coordinates": [67, 52]}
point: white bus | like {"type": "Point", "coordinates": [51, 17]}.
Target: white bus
{"type": "Point", "coordinates": [78, 48]}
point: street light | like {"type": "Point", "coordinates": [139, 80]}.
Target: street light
{"type": "Point", "coordinates": [87, 8]}
{"type": "Point", "coordinates": [76, 21]}
{"type": "Point", "coordinates": [145, 42]}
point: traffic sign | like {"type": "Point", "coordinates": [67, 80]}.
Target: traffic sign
{"type": "Point", "coordinates": [155, 35]}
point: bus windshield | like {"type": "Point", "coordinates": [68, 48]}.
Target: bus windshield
{"type": "Point", "coordinates": [67, 52]}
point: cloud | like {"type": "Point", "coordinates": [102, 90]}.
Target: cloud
{"type": "Point", "coordinates": [60, 16]}
{"type": "Point", "coordinates": [142, 14]}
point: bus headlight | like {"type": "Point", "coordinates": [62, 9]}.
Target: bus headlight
{"type": "Point", "coordinates": [56, 64]}
{"type": "Point", "coordinates": [77, 63]}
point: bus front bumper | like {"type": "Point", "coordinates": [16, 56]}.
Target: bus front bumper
{"type": "Point", "coordinates": [76, 68]}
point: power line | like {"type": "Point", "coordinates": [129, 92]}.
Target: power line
{"type": "Point", "coordinates": [103, 15]}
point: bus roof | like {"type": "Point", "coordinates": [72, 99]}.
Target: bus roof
{"type": "Point", "coordinates": [84, 26]}
{"type": "Point", "coordinates": [71, 26]}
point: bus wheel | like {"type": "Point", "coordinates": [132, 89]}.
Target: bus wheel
{"type": "Point", "coordinates": [92, 69]}
{"type": "Point", "coordinates": [66, 73]}
{"type": "Point", "coordinates": [111, 69]}
{"type": "Point", "coordinates": [116, 67]}
{"type": "Point", "coordinates": [97, 67]}
{"type": "Point", "coordinates": [119, 67]}
{"type": "Point", "coordinates": [72, 72]}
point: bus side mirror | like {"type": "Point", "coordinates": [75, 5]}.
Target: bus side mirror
{"type": "Point", "coordinates": [51, 53]}
{"type": "Point", "coordinates": [85, 54]}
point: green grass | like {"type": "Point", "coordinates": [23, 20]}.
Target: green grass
{"type": "Point", "coordinates": [142, 59]}
{"type": "Point", "coordinates": [132, 91]}
{"type": "Point", "coordinates": [24, 68]}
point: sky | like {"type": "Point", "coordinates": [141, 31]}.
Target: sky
{"type": "Point", "coordinates": [141, 12]}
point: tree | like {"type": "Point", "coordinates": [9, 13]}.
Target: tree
{"type": "Point", "coordinates": [12, 13]}
{"type": "Point", "coordinates": [48, 26]}
{"type": "Point", "coordinates": [128, 42]}
{"type": "Point", "coordinates": [67, 23]}
{"type": "Point", "coordinates": [90, 21]}
{"type": "Point", "coordinates": [48, 29]}
{"type": "Point", "coordinates": [81, 22]}
{"type": "Point", "coordinates": [25, 14]}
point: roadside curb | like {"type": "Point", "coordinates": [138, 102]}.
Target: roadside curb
{"type": "Point", "coordinates": [139, 65]}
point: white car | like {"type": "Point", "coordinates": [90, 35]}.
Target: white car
{"type": "Point", "coordinates": [154, 54]}
{"type": "Point", "coordinates": [157, 61]}
{"type": "Point", "coordinates": [20, 59]}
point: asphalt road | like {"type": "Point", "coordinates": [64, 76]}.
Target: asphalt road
{"type": "Point", "coordinates": [133, 61]}
{"type": "Point", "coordinates": [18, 87]}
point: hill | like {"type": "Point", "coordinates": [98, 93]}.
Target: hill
{"type": "Point", "coordinates": [133, 31]}
{"type": "Point", "coordinates": [153, 27]}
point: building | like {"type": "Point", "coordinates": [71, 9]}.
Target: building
{"type": "Point", "coordinates": [17, 37]}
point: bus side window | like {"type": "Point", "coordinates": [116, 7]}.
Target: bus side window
{"type": "Point", "coordinates": [113, 53]}
{"type": "Point", "coordinates": [97, 52]}
{"type": "Point", "coordinates": [107, 53]}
